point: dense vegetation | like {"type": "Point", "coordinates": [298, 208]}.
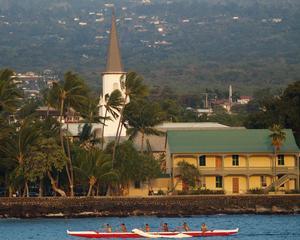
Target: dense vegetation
{"type": "Point", "coordinates": [39, 152]}
{"type": "Point", "coordinates": [250, 44]}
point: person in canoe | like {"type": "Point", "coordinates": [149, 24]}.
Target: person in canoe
{"type": "Point", "coordinates": [123, 228]}
{"type": "Point", "coordinates": [165, 227]}
{"type": "Point", "coordinates": [108, 228]}
{"type": "Point", "coordinates": [147, 227]}
{"type": "Point", "coordinates": [186, 227]}
{"type": "Point", "coordinates": [203, 228]}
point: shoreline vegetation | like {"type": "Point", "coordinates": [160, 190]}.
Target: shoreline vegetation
{"type": "Point", "coordinates": [162, 206]}
{"type": "Point", "coordinates": [39, 155]}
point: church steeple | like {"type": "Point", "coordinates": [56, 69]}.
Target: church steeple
{"type": "Point", "coordinates": [114, 62]}
{"type": "Point", "coordinates": [111, 80]}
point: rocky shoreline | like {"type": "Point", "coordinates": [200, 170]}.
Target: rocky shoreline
{"type": "Point", "coordinates": [80, 207]}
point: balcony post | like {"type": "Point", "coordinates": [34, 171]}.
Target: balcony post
{"type": "Point", "coordinates": [298, 177]}
{"type": "Point", "coordinates": [247, 163]}
{"type": "Point", "coordinates": [172, 173]}
{"type": "Point", "coordinates": [247, 182]}
{"type": "Point", "coordinates": [222, 166]}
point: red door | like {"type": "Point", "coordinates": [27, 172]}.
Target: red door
{"type": "Point", "coordinates": [218, 162]}
{"type": "Point", "coordinates": [235, 185]}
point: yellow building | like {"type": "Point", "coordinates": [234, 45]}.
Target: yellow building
{"type": "Point", "coordinates": [234, 160]}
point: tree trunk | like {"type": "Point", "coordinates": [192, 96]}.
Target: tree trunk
{"type": "Point", "coordinates": [6, 183]}
{"type": "Point", "coordinates": [120, 126]}
{"type": "Point", "coordinates": [90, 190]}
{"type": "Point", "coordinates": [108, 191]}
{"type": "Point", "coordinates": [71, 172]}
{"type": "Point", "coordinates": [119, 129]}
{"type": "Point", "coordinates": [10, 191]}
{"type": "Point", "coordinates": [92, 182]}
{"type": "Point", "coordinates": [98, 189]}
{"type": "Point", "coordinates": [69, 168]}
{"type": "Point", "coordinates": [54, 187]}
{"type": "Point", "coordinates": [61, 123]}
{"type": "Point", "coordinates": [142, 144]}
{"type": "Point", "coordinates": [26, 189]}
{"type": "Point", "coordinates": [61, 135]}
{"type": "Point", "coordinates": [275, 172]}
{"type": "Point", "coordinates": [105, 115]}
{"type": "Point", "coordinates": [41, 187]}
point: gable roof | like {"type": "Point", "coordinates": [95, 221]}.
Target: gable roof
{"type": "Point", "coordinates": [227, 141]}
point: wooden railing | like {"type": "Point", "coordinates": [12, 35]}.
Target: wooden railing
{"type": "Point", "coordinates": [243, 170]}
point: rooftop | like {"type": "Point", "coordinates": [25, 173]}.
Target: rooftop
{"type": "Point", "coordinates": [227, 141]}
{"type": "Point", "coordinates": [189, 125]}
{"type": "Point", "coordinates": [157, 143]}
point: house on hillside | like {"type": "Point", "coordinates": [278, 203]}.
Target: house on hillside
{"type": "Point", "coordinates": [244, 100]}
{"type": "Point", "coordinates": [234, 160]}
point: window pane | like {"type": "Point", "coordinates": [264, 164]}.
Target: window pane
{"type": "Point", "coordinates": [137, 184]}
{"type": "Point", "coordinates": [235, 160]}
{"type": "Point", "coordinates": [202, 160]}
{"type": "Point", "coordinates": [280, 159]}
{"type": "Point", "coordinates": [263, 181]}
{"type": "Point", "coordinates": [219, 182]}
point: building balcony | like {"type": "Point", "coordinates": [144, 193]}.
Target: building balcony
{"type": "Point", "coordinates": [223, 171]}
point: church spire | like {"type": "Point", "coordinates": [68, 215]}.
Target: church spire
{"type": "Point", "coordinates": [114, 63]}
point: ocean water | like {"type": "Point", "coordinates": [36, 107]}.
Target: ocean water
{"type": "Point", "coordinates": [260, 227]}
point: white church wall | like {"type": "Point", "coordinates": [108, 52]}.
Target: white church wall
{"type": "Point", "coordinates": [111, 82]}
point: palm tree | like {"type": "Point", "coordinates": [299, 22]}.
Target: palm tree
{"type": "Point", "coordinates": [133, 87]}
{"type": "Point", "coordinates": [10, 99]}
{"type": "Point", "coordinates": [10, 95]}
{"type": "Point", "coordinates": [142, 116]}
{"type": "Point", "coordinates": [278, 137]}
{"type": "Point", "coordinates": [72, 92]}
{"type": "Point", "coordinates": [112, 105]}
{"type": "Point", "coordinates": [95, 166]}
{"type": "Point", "coordinates": [17, 147]}
{"type": "Point", "coordinates": [90, 114]}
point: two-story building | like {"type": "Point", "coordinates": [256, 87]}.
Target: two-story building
{"type": "Point", "coordinates": [234, 160]}
{"type": "Point", "coordinates": [157, 146]}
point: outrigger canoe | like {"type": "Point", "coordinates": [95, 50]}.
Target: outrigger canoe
{"type": "Point", "coordinates": [136, 233]}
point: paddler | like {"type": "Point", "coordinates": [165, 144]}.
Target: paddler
{"type": "Point", "coordinates": [203, 228]}
{"type": "Point", "coordinates": [123, 228]}
{"type": "Point", "coordinates": [147, 227]}
{"type": "Point", "coordinates": [165, 227]}
{"type": "Point", "coordinates": [186, 227]}
{"type": "Point", "coordinates": [108, 228]}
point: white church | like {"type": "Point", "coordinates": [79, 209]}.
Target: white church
{"type": "Point", "coordinates": [111, 80]}
{"type": "Point", "coordinates": [111, 77]}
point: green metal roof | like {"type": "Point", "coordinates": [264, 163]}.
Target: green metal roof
{"type": "Point", "coordinates": [227, 141]}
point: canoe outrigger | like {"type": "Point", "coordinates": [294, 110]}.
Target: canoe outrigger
{"type": "Point", "coordinates": [137, 233]}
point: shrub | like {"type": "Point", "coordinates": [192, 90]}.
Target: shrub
{"type": "Point", "coordinates": [256, 191]}
{"type": "Point", "coordinates": [160, 192]}
{"type": "Point", "coordinates": [200, 192]}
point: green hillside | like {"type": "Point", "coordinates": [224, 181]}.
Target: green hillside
{"type": "Point", "coordinates": [190, 45]}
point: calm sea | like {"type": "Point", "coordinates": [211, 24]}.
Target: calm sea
{"type": "Point", "coordinates": [251, 226]}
